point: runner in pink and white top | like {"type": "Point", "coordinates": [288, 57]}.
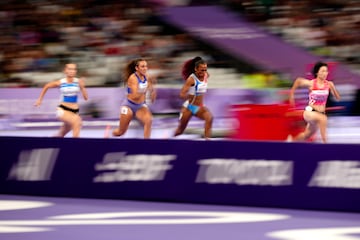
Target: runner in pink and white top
{"type": "Point", "coordinates": [319, 89]}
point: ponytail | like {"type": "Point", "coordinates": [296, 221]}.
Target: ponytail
{"type": "Point", "coordinates": [189, 67]}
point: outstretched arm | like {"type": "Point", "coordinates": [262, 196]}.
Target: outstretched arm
{"type": "Point", "coordinates": [44, 90]}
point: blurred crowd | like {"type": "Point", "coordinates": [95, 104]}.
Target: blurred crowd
{"type": "Point", "coordinates": [39, 36]}
{"type": "Point", "coordinates": [327, 28]}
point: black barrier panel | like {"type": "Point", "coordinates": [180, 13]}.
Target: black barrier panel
{"type": "Point", "coordinates": [263, 174]}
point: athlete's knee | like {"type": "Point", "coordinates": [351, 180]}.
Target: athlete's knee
{"type": "Point", "coordinates": [310, 132]}
{"type": "Point", "coordinates": [178, 132]}
{"type": "Point", "coordinates": [77, 123]}
{"type": "Point", "coordinates": [118, 132]}
{"type": "Point", "coordinates": [180, 129]}
{"type": "Point", "coordinates": [306, 135]}
{"type": "Point", "coordinates": [148, 120]}
{"type": "Point", "coordinates": [323, 120]}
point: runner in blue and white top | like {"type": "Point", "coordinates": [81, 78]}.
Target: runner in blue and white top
{"type": "Point", "coordinates": [139, 85]}
{"type": "Point", "coordinates": [193, 91]}
{"type": "Point", "coordinates": [69, 90]}
{"type": "Point", "coordinates": [68, 109]}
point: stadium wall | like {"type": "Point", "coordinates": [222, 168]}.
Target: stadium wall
{"type": "Point", "coordinates": [262, 174]}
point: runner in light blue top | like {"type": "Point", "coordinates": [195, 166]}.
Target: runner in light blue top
{"type": "Point", "coordinates": [69, 90]}
{"type": "Point", "coordinates": [68, 110]}
{"type": "Point", "coordinates": [193, 91]}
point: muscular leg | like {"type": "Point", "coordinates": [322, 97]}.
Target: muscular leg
{"type": "Point", "coordinates": [323, 127]}
{"type": "Point", "coordinates": [145, 117]}
{"type": "Point", "coordinates": [76, 125]}
{"type": "Point", "coordinates": [64, 129]}
{"type": "Point", "coordinates": [314, 121]}
{"type": "Point", "coordinates": [184, 119]}
{"type": "Point", "coordinates": [125, 117]}
{"type": "Point", "coordinates": [205, 115]}
{"type": "Point", "coordinates": [309, 131]}
{"type": "Point", "coordinates": [71, 121]}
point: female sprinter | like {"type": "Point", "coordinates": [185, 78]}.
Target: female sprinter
{"type": "Point", "coordinates": [138, 84]}
{"type": "Point", "coordinates": [314, 113]}
{"type": "Point", "coordinates": [68, 110]}
{"type": "Point", "coordinates": [193, 90]}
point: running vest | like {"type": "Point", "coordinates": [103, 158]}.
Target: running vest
{"type": "Point", "coordinates": [69, 91]}
{"type": "Point", "coordinates": [142, 85]}
{"type": "Point", "coordinates": [200, 87]}
{"type": "Point", "coordinates": [319, 95]}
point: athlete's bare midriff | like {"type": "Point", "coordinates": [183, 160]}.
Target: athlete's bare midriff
{"type": "Point", "coordinates": [196, 100]}
{"type": "Point", "coordinates": [318, 108]}
{"type": "Point", "coordinates": [70, 105]}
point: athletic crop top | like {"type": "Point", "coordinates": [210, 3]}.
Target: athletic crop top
{"type": "Point", "coordinates": [142, 85]}
{"type": "Point", "coordinates": [319, 95]}
{"type": "Point", "coordinates": [200, 87]}
{"type": "Point", "coordinates": [69, 91]}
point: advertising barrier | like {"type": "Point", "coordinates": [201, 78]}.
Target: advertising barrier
{"type": "Point", "coordinates": [263, 174]}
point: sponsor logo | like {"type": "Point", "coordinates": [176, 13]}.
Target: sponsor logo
{"type": "Point", "coordinates": [245, 172]}
{"type": "Point", "coordinates": [336, 174]}
{"type": "Point", "coordinates": [119, 167]}
{"type": "Point", "coordinates": [34, 165]}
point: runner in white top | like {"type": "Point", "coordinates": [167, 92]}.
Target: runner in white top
{"type": "Point", "coordinates": [196, 75]}
{"type": "Point", "coordinates": [68, 110]}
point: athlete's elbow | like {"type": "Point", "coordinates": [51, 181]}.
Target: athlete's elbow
{"type": "Point", "coordinates": [182, 95]}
